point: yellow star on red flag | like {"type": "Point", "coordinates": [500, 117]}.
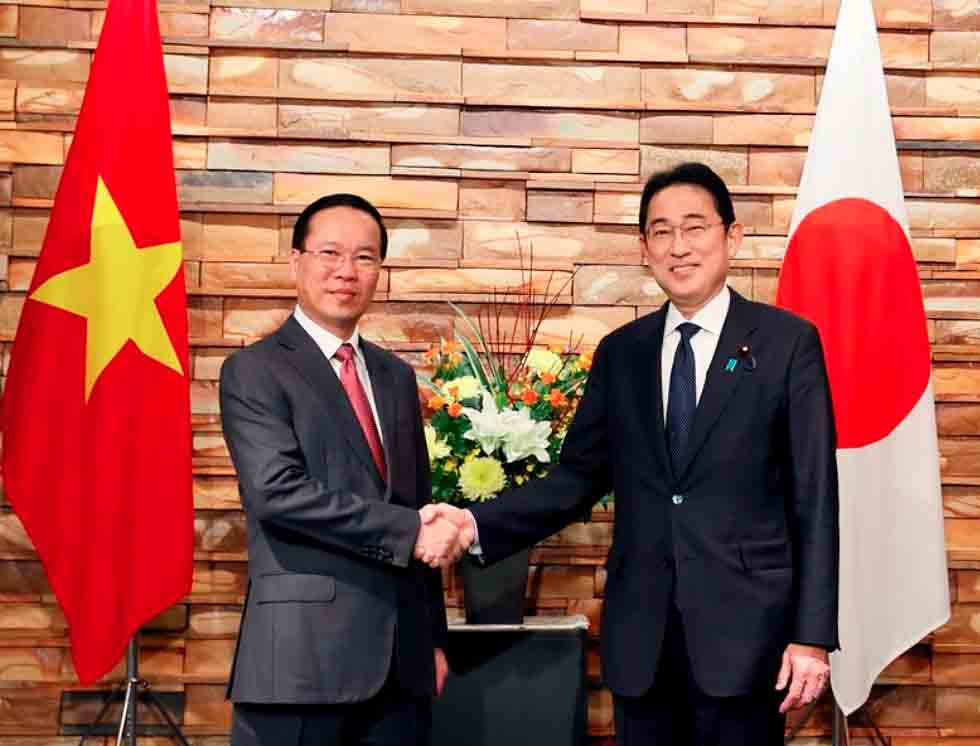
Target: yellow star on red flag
{"type": "Point", "coordinates": [115, 292]}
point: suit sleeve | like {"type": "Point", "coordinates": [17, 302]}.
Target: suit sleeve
{"type": "Point", "coordinates": [276, 487]}
{"type": "Point", "coordinates": [522, 517]}
{"type": "Point", "coordinates": [437, 603]}
{"type": "Point", "coordinates": [813, 448]}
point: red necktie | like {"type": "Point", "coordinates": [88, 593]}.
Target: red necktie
{"type": "Point", "coordinates": [362, 407]}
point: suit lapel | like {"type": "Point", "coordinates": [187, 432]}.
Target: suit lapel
{"type": "Point", "coordinates": [304, 355]}
{"type": "Point", "coordinates": [650, 386]}
{"type": "Point", "coordinates": [720, 384]}
{"type": "Point", "coordinates": [384, 399]}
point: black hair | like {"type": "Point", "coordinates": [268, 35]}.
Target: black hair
{"type": "Point", "coordinates": [302, 227]}
{"type": "Point", "coordinates": [696, 174]}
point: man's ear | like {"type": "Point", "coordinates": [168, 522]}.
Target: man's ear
{"type": "Point", "coordinates": [646, 251]}
{"type": "Point", "coordinates": [736, 232]}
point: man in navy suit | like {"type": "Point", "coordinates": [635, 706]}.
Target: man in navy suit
{"type": "Point", "coordinates": [711, 421]}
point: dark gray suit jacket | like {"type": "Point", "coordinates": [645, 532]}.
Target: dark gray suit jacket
{"type": "Point", "coordinates": [335, 598]}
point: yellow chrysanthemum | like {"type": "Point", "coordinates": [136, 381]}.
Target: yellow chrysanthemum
{"type": "Point", "coordinates": [543, 361]}
{"type": "Point", "coordinates": [481, 478]}
{"type": "Point", "coordinates": [464, 387]}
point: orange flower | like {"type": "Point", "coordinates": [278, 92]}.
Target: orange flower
{"type": "Point", "coordinates": [585, 362]}
{"type": "Point", "coordinates": [529, 397]}
{"type": "Point", "coordinates": [454, 392]}
{"type": "Point", "coordinates": [548, 378]}
{"type": "Point", "coordinates": [432, 354]}
{"type": "Point", "coordinates": [455, 358]}
{"type": "Point", "coordinates": [436, 403]}
{"type": "Point", "coordinates": [557, 349]}
{"type": "Point", "coordinates": [557, 398]}
{"type": "Point", "coordinates": [450, 346]}
{"type": "Point", "coordinates": [455, 409]}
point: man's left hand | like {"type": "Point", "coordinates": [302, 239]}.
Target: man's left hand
{"type": "Point", "coordinates": [442, 670]}
{"type": "Point", "coordinates": [806, 670]}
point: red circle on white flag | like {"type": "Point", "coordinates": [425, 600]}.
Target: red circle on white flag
{"type": "Point", "coordinates": [849, 269]}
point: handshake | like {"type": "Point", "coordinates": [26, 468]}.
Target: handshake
{"type": "Point", "coordinates": [445, 534]}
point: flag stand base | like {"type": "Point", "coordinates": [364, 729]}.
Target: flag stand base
{"type": "Point", "coordinates": [839, 734]}
{"type": "Point", "coordinates": [879, 737]}
{"type": "Point", "coordinates": [135, 689]}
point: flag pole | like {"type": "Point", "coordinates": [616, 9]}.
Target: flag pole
{"type": "Point", "coordinates": [128, 719]}
{"type": "Point", "coordinates": [839, 730]}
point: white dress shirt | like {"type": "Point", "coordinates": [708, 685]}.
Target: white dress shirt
{"type": "Point", "coordinates": [711, 319]}
{"type": "Point", "coordinates": [329, 344]}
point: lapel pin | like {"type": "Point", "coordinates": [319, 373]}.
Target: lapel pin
{"type": "Point", "coordinates": [730, 365]}
{"type": "Point", "coordinates": [745, 353]}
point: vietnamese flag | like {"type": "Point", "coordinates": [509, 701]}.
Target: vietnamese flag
{"type": "Point", "coordinates": [849, 268]}
{"type": "Point", "coordinates": [96, 410]}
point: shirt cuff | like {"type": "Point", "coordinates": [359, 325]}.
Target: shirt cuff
{"type": "Point", "coordinates": [475, 549]}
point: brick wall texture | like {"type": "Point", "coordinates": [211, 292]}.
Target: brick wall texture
{"type": "Point", "coordinates": [479, 125]}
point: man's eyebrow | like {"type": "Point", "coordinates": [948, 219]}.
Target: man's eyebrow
{"type": "Point", "coordinates": [687, 216]}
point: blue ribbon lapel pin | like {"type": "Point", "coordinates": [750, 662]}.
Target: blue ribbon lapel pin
{"type": "Point", "coordinates": [744, 356]}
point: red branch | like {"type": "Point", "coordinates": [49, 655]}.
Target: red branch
{"type": "Point", "coordinates": [511, 347]}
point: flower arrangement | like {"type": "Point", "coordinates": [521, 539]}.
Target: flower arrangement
{"type": "Point", "coordinates": [499, 404]}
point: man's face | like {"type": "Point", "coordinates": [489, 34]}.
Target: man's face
{"type": "Point", "coordinates": [337, 273]}
{"type": "Point", "coordinates": [687, 247]}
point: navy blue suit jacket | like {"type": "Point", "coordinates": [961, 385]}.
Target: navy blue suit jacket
{"type": "Point", "coordinates": [743, 538]}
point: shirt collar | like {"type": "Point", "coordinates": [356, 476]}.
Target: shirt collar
{"type": "Point", "coordinates": [327, 342]}
{"type": "Point", "coordinates": [711, 318]}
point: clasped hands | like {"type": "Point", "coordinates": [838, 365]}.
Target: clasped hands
{"type": "Point", "coordinates": [445, 534]}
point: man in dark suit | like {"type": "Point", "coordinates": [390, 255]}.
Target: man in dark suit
{"type": "Point", "coordinates": [343, 628]}
{"type": "Point", "coordinates": [711, 421]}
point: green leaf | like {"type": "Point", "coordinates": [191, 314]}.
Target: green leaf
{"type": "Point", "coordinates": [475, 362]}
{"type": "Point", "coordinates": [426, 381]}
{"type": "Point", "coordinates": [572, 386]}
{"type": "Point", "coordinates": [495, 367]}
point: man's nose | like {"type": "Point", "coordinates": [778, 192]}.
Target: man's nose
{"type": "Point", "coordinates": [345, 266]}
{"type": "Point", "coordinates": [679, 247]}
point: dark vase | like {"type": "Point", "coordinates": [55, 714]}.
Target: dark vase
{"type": "Point", "coordinates": [495, 594]}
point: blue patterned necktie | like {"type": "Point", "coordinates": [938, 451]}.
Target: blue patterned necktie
{"type": "Point", "coordinates": [682, 398]}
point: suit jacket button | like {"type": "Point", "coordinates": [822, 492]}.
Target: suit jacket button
{"type": "Point", "coordinates": [677, 499]}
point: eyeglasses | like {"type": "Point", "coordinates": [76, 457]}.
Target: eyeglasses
{"type": "Point", "coordinates": [662, 235]}
{"type": "Point", "coordinates": [331, 258]}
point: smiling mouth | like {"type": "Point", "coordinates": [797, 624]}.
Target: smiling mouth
{"type": "Point", "coordinates": [684, 268]}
